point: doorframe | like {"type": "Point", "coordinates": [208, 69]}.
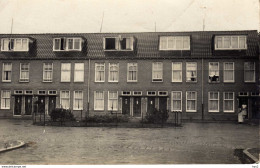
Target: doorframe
{"type": "Point", "coordinates": [14, 105]}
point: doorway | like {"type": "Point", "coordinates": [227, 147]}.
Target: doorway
{"type": "Point", "coordinates": [137, 107]}
{"type": "Point", "coordinates": [18, 105]}
{"type": "Point", "coordinates": [28, 105]}
{"type": "Point", "coordinates": [150, 104]}
{"type": "Point", "coordinates": [126, 105]}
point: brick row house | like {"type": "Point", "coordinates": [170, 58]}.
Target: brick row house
{"type": "Point", "coordinates": [204, 75]}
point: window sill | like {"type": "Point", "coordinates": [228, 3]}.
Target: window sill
{"type": "Point", "coordinates": [176, 81]}
{"type": "Point", "coordinates": [99, 81]}
{"type": "Point", "coordinates": [132, 81]}
{"type": "Point", "coordinates": [229, 82]}
{"type": "Point", "coordinates": [191, 81]}
{"type": "Point", "coordinates": [116, 50]}
{"type": "Point", "coordinates": [64, 81]}
{"type": "Point", "coordinates": [174, 111]}
{"type": "Point", "coordinates": [23, 81]}
{"type": "Point", "coordinates": [249, 81]}
{"type": "Point", "coordinates": [65, 50]}
{"type": "Point", "coordinates": [113, 81]}
{"type": "Point", "coordinates": [6, 81]}
{"type": "Point", "coordinates": [221, 49]}
{"type": "Point", "coordinates": [157, 81]}
{"type": "Point", "coordinates": [77, 109]}
{"type": "Point", "coordinates": [99, 110]}
{"type": "Point", "coordinates": [191, 111]}
{"type": "Point", "coordinates": [78, 81]}
{"type": "Point", "coordinates": [229, 111]}
{"type": "Point", "coordinates": [174, 49]}
{"type": "Point", "coordinates": [47, 81]}
{"type": "Point", "coordinates": [213, 111]}
{"type": "Point", "coordinates": [2, 108]}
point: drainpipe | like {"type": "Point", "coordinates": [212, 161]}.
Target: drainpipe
{"type": "Point", "coordinates": [88, 84]}
{"type": "Point", "coordinates": [202, 90]}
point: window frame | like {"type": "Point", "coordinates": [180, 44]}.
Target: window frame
{"type": "Point", "coordinates": [119, 47]}
{"type": "Point", "coordinates": [14, 44]}
{"type": "Point", "coordinates": [109, 99]}
{"type": "Point", "coordinates": [103, 99]}
{"type": "Point", "coordinates": [67, 98]}
{"type": "Point", "coordinates": [77, 70]}
{"type": "Point", "coordinates": [109, 71]}
{"type": "Point", "coordinates": [230, 46]}
{"type": "Point", "coordinates": [196, 77]}
{"type": "Point", "coordinates": [3, 72]}
{"type": "Point", "coordinates": [99, 64]}
{"type": "Point", "coordinates": [176, 100]}
{"type": "Point", "coordinates": [210, 81]}
{"type": "Point", "coordinates": [209, 99]}
{"type": "Point", "coordinates": [67, 43]}
{"type": "Point", "coordinates": [196, 99]}
{"type": "Point", "coordinates": [224, 99]}
{"type": "Point", "coordinates": [177, 71]}
{"type": "Point", "coordinates": [228, 81]}
{"type": "Point", "coordinates": [79, 99]}
{"type": "Point", "coordinates": [128, 72]}
{"type": "Point", "coordinates": [158, 71]}
{"type": "Point", "coordinates": [28, 71]}
{"type": "Point", "coordinates": [254, 80]}
{"type": "Point", "coordinates": [62, 71]}
{"type": "Point", "coordinates": [175, 42]}
{"type": "Point", "coordinates": [44, 71]}
{"type": "Point", "coordinates": [6, 107]}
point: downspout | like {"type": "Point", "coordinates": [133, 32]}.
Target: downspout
{"type": "Point", "coordinates": [88, 84]}
{"type": "Point", "coordinates": [202, 90]}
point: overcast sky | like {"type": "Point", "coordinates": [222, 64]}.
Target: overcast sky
{"type": "Point", "coordinates": [84, 16]}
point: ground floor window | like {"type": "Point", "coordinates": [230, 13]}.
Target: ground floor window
{"type": "Point", "coordinates": [98, 100]}
{"type": "Point", "coordinates": [228, 101]}
{"type": "Point", "coordinates": [5, 99]}
{"type": "Point", "coordinates": [176, 101]}
{"type": "Point", "coordinates": [191, 101]}
{"type": "Point", "coordinates": [78, 100]}
{"type": "Point", "coordinates": [65, 99]}
{"type": "Point", "coordinates": [213, 102]}
{"type": "Point", "coordinates": [112, 101]}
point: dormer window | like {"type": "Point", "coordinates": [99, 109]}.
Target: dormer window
{"type": "Point", "coordinates": [230, 43]}
{"type": "Point", "coordinates": [15, 44]}
{"type": "Point", "coordinates": [67, 44]}
{"type": "Point", "coordinates": [118, 43]}
{"type": "Point", "coordinates": [174, 43]}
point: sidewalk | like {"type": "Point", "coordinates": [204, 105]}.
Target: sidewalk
{"type": "Point", "coordinates": [11, 145]}
{"type": "Point", "coordinates": [252, 154]}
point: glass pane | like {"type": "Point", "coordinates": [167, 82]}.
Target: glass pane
{"type": "Point", "coordinates": [227, 41]}
{"type": "Point", "coordinates": [242, 42]}
{"type": "Point", "coordinates": [234, 42]}
{"type": "Point", "coordinates": [77, 44]}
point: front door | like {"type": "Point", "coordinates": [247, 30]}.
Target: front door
{"type": "Point", "coordinates": [137, 107]}
{"type": "Point", "coordinates": [41, 104]}
{"type": "Point", "coordinates": [244, 101]}
{"type": "Point", "coordinates": [28, 105]}
{"type": "Point", "coordinates": [163, 104]}
{"type": "Point", "coordinates": [151, 104]}
{"type": "Point", "coordinates": [126, 105]}
{"type": "Point", "coordinates": [18, 105]}
{"type": "Point", "coordinates": [52, 103]}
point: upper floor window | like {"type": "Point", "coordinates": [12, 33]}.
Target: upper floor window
{"type": "Point", "coordinates": [79, 72]}
{"type": "Point", "coordinates": [132, 72]}
{"type": "Point", "coordinates": [113, 72]}
{"type": "Point", "coordinates": [24, 72]}
{"type": "Point", "coordinates": [175, 43]}
{"type": "Point", "coordinates": [229, 72]}
{"type": "Point", "coordinates": [7, 72]}
{"type": "Point", "coordinates": [157, 72]}
{"type": "Point", "coordinates": [213, 72]}
{"type": "Point", "coordinates": [230, 42]}
{"type": "Point", "coordinates": [118, 43]}
{"type": "Point", "coordinates": [249, 72]}
{"type": "Point", "coordinates": [176, 72]}
{"type": "Point", "coordinates": [15, 44]}
{"type": "Point", "coordinates": [47, 72]}
{"type": "Point", "coordinates": [99, 72]}
{"type": "Point", "coordinates": [65, 72]}
{"type": "Point", "coordinates": [191, 71]}
{"type": "Point", "coordinates": [67, 44]}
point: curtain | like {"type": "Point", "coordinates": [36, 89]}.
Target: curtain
{"type": "Point", "coordinates": [100, 72]}
{"type": "Point", "coordinates": [65, 72]}
{"type": "Point", "coordinates": [79, 72]}
{"type": "Point", "coordinates": [99, 100]}
{"type": "Point", "coordinates": [5, 99]}
{"type": "Point", "coordinates": [113, 72]}
{"type": "Point", "coordinates": [113, 101]}
{"type": "Point", "coordinates": [65, 99]}
{"type": "Point", "coordinates": [78, 100]}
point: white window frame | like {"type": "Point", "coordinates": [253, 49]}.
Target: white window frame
{"type": "Point", "coordinates": [209, 99]}
{"type": "Point", "coordinates": [196, 97]}
{"type": "Point", "coordinates": [160, 93]}
{"type": "Point", "coordinates": [126, 93]}
{"type": "Point", "coordinates": [128, 72]}
{"type": "Point", "coordinates": [214, 71]}
{"type": "Point", "coordinates": [79, 70]}
{"type": "Point", "coordinates": [137, 93]}
{"type": "Point", "coordinates": [158, 70]}
{"type": "Point", "coordinates": [3, 99]}
{"type": "Point", "coordinates": [177, 71]}
{"type": "Point", "coordinates": [230, 46]}
{"type": "Point", "coordinates": [255, 94]}
{"type": "Point", "coordinates": [44, 71]}
{"type": "Point", "coordinates": [174, 38]}
{"type": "Point", "coordinates": [118, 46]}
{"type": "Point", "coordinates": [79, 99]}
{"type": "Point", "coordinates": [44, 92]}
{"type": "Point", "coordinates": [150, 93]}
{"type": "Point", "coordinates": [249, 70]}
{"type": "Point", "coordinates": [3, 72]}
{"type": "Point", "coordinates": [28, 92]}
{"type": "Point", "coordinates": [233, 70]}
{"type": "Point", "coordinates": [52, 92]}
{"type": "Point", "coordinates": [27, 71]}
{"type": "Point", "coordinates": [67, 98]}
{"type": "Point", "coordinates": [242, 94]}
{"type": "Point", "coordinates": [224, 99]}
{"type": "Point", "coordinates": [109, 99]}
{"type": "Point", "coordinates": [18, 92]}
{"type": "Point", "coordinates": [176, 100]}
{"type": "Point", "coordinates": [196, 76]}
{"type": "Point", "coordinates": [63, 72]}
{"type": "Point", "coordinates": [67, 44]}
{"type": "Point", "coordinates": [100, 64]}
{"type": "Point", "coordinates": [14, 43]}
{"type": "Point", "coordinates": [103, 99]}
{"type": "Point", "coordinates": [109, 72]}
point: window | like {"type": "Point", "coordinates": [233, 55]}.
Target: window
{"type": "Point", "coordinates": [230, 42]}
{"type": "Point", "coordinates": [47, 72]}
{"type": "Point", "coordinates": [132, 72]}
{"type": "Point", "coordinates": [137, 93]}
{"type": "Point", "coordinates": [126, 93]}
{"type": "Point", "coordinates": [151, 93]}
{"type": "Point", "coordinates": [162, 93]}
{"type": "Point", "coordinates": [191, 71]}
{"type": "Point", "coordinates": [52, 92]}
{"type": "Point", "coordinates": [213, 101]}
{"type": "Point", "coordinates": [28, 92]}
{"type": "Point", "coordinates": [99, 72]}
{"type": "Point", "coordinates": [17, 44]}
{"type": "Point", "coordinates": [79, 72]}
{"type": "Point", "coordinates": [41, 92]}
{"type": "Point", "coordinates": [5, 99]}
{"type": "Point", "coordinates": [191, 101]}
{"type": "Point", "coordinates": [229, 72]}
{"type": "Point", "coordinates": [249, 72]}
{"type": "Point", "coordinates": [174, 43]}
{"type": "Point", "coordinates": [228, 101]}
{"type": "Point", "coordinates": [18, 92]}
{"type": "Point", "coordinates": [113, 72]}
{"type": "Point", "coordinates": [176, 101]}
{"type": "Point", "coordinates": [255, 94]}
{"type": "Point", "coordinates": [157, 72]}
{"type": "Point", "coordinates": [98, 100]}
{"type": "Point", "coordinates": [213, 72]}
{"type": "Point", "coordinates": [65, 72]}
{"type": "Point", "coordinates": [118, 43]}
{"type": "Point", "coordinates": [176, 72]}
{"type": "Point", "coordinates": [65, 99]}
{"type": "Point", "coordinates": [78, 100]}
{"type": "Point", "coordinates": [243, 93]}
{"type": "Point", "coordinates": [112, 101]}
{"type": "Point", "coordinates": [7, 72]}
{"type": "Point", "coordinates": [24, 72]}
{"type": "Point", "coordinates": [67, 44]}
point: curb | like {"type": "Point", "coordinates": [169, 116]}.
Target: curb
{"type": "Point", "coordinates": [251, 157]}
{"type": "Point", "coordinates": [21, 144]}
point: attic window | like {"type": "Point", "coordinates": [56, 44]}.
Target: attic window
{"type": "Point", "coordinates": [67, 44]}
{"type": "Point", "coordinates": [230, 42]}
{"type": "Point", "coordinates": [118, 43]}
{"type": "Point", "coordinates": [174, 43]}
{"type": "Point", "coordinates": [15, 44]}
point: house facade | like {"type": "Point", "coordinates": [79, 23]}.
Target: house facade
{"type": "Point", "coordinates": [204, 75]}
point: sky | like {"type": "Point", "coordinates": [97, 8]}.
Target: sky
{"type": "Point", "coordinates": [85, 16]}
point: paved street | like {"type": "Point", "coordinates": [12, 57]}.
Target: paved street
{"type": "Point", "coordinates": [193, 143]}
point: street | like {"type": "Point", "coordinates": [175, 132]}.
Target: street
{"type": "Point", "coordinates": [194, 143]}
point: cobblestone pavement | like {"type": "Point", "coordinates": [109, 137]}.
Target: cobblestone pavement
{"type": "Point", "coordinates": [193, 143]}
